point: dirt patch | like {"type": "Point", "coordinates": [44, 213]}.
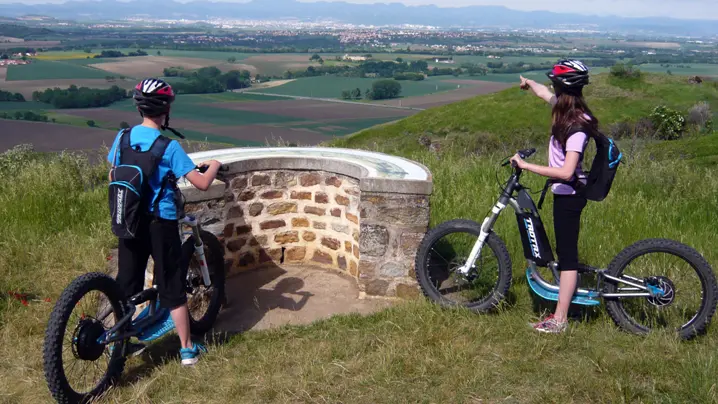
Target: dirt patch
{"type": "Point", "coordinates": [464, 82]}
{"type": "Point", "coordinates": [270, 84]}
{"type": "Point", "coordinates": [27, 87]}
{"type": "Point", "coordinates": [47, 137]}
{"type": "Point", "coordinates": [151, 65]}
{"type": "Point", "coordinates": [273, 297]}
{"type": "Point", "coordinates": [316, 110]}
{"type": "Point", "coordinates": [435, 100]}
{"type": "Point", "coordinates": [3, 73]}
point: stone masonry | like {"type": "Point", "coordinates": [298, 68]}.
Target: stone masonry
{"type": "Point", "coordinates": [318, 218]}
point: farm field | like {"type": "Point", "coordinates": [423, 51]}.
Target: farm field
{"type": "Point", "coordinates": [52, 70]}
{"type": "Point", "coordinates": [143, 66]}
{"type": "Point", "coordinates": [332, 86]}
{"type": "Point", "coordinates": [228, 118]}
{"type": "Point", "coordinates": [48, 137]}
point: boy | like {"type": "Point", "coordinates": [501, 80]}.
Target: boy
{"type": "Point", "coordinates": [158, 233]}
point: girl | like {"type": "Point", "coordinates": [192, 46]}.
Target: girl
{"type": "Point", "coordinates": [573, 123]}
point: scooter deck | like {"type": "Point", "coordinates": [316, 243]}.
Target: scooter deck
{"type": "Point", "coordinates": [584, 299]}
{"type": "Point", "coordinates": [159, 327]}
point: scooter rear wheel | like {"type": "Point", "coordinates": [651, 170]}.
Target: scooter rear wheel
{"type": "Point", "coordinates": [688, 287]}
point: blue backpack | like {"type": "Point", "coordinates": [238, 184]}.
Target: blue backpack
{"type": "Point", "coordinates": [130, 192]}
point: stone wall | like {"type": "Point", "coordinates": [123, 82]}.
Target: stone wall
{"type": "Point", "coordinates": [332, 217]}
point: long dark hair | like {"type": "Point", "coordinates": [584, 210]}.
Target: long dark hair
{"type": "Point", "coordinates": [568, 117]}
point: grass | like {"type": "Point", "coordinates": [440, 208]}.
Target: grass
{"type": "Point", "coordinates": [52, 70]}
{"type": "Point", "coordinates": [343, 127]}
{"type": "Point", "coordinates": [414, 352]}
{"type": "Point", "coordinates": [695, 69]}
{"type": "Point", "coordinates": [22, 106]}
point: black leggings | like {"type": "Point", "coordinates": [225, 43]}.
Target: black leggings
{"type": "Point", "coordinates": [567, 211]}
{"type": "Point", "coordinates": [159, 238]}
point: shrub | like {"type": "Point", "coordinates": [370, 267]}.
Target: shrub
{"type": "Point", "coordinates": [644, 128]}
{"type": "Point", "coordinates": [700, 115]}
{"type": "Point", "coordinates": [622, 70]}
{"type": "Point", "coordinates": [620, 130]}
{"type": "Point", "coordinates": [669, 123]}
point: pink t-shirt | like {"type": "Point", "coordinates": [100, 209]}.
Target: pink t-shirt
{"type": "Point", "coordinates": [556, 158]}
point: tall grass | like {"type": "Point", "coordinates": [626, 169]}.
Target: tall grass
{"type": "Point", "coordinates": [53, 226]}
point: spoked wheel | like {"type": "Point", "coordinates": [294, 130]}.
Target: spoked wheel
{"type": "Point", "coordinates": [683, 284]}
{"type": "Point", "coordinates": [77, 366]}
{"type": "Point", "coordinates": [445, 249]}
{"type": "Point", "coordinates": [203, 302]}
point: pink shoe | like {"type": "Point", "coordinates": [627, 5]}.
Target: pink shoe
{"type": "Point", "coordinates": [550, 325]}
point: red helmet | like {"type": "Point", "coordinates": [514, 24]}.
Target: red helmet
{"type": "Point", "coordinates": [153, 97]}
{"type": "Point", "coordinates": [569, 74]}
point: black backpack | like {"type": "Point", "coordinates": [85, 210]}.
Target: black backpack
{"type": "Point", "coordinates": [603, 171]}
{"type": "Point", "coordinates": [130, 192]}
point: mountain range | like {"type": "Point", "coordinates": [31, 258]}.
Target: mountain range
{"type": "Point", "coordinates": [378, 14]}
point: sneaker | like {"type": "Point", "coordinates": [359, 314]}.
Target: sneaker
{"type": "Point", "coordinates": [550, 325]}
{"type": "Point", "coordinates": [190, 355]}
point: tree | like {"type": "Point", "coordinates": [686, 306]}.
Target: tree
{"type": "Point", "coordinates": [91, 123]}
{"type": "Point", "coordinates": [4, 56]}
{"type": "Point", "coordinates": [124, 125]}
{"type": "Point", "coordinates": [346, 95]}
{"type": "Point", "coordinates": [400, 60]}
{"type": "Point", "coordinates": [159, 53]}
{"type": "Point", "coordinates": [385, 89]}
{"type": "Point", "coordinates": [231, 59]}
{"type": "Point", "coordinates": [314, 57]}
{"type": "Point", "coordinates": [88, 50]}
{"type": "Point", "coordinates": [356, 94]}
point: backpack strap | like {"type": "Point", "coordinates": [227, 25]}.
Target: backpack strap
{"type": "Point", "coordinates": [124, 143]}
{"type": "Point", "coordinates": [158, 148]}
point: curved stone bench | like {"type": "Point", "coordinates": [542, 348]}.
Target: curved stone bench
{"type": "Point", "coordinates": [358, 212]}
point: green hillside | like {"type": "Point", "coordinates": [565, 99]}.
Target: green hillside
{"type": "Point", "coordinates": [53, 227]}
{"type": "Point", "coordinates": [513, 118]}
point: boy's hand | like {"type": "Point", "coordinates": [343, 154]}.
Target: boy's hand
{"type": "Point", "coordinates": [209, 163]}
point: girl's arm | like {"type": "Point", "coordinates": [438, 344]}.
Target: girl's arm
{"type": "Point", "coordinates": [539, 90]}
{"type": "Point", "coordinates": [564, 173]}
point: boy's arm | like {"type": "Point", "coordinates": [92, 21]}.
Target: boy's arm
{"type": "Point", "coordinates": [538, 89]}
{"type": "Point", "coordinates": [183, 166]}
{"type": "Point", "coordinates": [202, 181]}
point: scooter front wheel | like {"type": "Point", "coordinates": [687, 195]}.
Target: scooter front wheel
{"type": "Point", "coordinates": [78, 366]}
{"type": "Point", "coordinates": [445, 249]}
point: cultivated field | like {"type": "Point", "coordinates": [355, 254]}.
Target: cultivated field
{"type": "Point", "coordinates": [228, 118]}
{"type": "Point", "coordinates": [332, 86]}
{"type": "Point", "coordinates": [52, 70]}
{"type": "Point", "coordinates": [144, 66]}
{"type": "Point", "coordinates": [469, 88]}
{"type": "Point", "coordinates": [49, 137]}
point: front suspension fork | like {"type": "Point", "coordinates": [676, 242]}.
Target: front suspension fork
{"type": "Point", "coordinates": [486, 227]}
{"type": "Point", "coordinates": [191, 221]}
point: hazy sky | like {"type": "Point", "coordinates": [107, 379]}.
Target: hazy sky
{"type": "Point", "coordinates": [700, 9]}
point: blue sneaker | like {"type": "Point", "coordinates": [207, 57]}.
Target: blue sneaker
{"type": "Point", "coordinates": [190, 355]}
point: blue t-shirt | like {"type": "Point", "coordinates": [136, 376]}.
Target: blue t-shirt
{"type": "Point", "coordinates": [174, 159]}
